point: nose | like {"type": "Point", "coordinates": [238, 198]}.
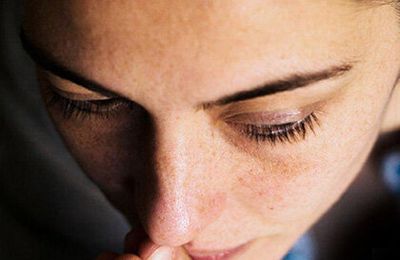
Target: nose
{"type": "Point", "coordinates": [177, 197]}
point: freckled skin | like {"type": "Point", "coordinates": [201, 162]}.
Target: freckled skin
{"type": "Point", "coordinates": [183, 174]}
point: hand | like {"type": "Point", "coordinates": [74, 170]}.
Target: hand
{"type": "Point", "coordinates": [139, 247]}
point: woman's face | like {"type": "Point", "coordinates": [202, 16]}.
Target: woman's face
{"type": "Point", "coordinates": [218, 123]}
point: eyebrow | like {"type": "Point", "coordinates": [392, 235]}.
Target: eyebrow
{"type": "Point", "coordinates": [289, 83]}
{"type": "Point", "coordinates": [49, 63]}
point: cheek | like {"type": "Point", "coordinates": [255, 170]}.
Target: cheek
{"type": "Point", "coordinates": [285, 191]}
{"type": "Point", "coordinates": [299, 182]}
{"type": "Point", "coordinates": [297, 189]}
{"type": "Point", "coordinates": [108, 150]}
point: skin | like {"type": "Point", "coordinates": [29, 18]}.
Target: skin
{"type": "Point", "coordinates": [191, 180]}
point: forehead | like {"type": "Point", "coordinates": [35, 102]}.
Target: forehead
{"type": "Point", "coordinates": [168, 23]}
{"type": "Point", "coordinates": [210, 43]}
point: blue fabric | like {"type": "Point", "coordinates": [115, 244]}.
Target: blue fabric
{"type": "Point", "coordinates": [391, 172]}
{"type": "Point", "coordinates": [304, 249]}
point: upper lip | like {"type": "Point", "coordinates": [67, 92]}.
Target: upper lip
{"type": "Point", "coordinates": [223, 254]}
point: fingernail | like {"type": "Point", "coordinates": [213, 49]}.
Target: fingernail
{"type": "Point", "coordinates": [161, 253]}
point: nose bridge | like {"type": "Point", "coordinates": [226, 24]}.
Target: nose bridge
{"type": "Point", "coordinates": [172, 216]}
{"type": "Point", "coordinates": [171, 148]}
{"type": "Point", "coordinates": [171, 167]}
{"type": "Point", "coordinates": [173, 160]}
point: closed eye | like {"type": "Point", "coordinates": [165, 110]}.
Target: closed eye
{"type": "Point", "coordinates": [280, 133]}
{"type": "Point", "coordinates": [83, 109]}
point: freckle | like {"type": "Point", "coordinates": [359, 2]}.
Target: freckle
{"type": "Point", "coordinates": [271, 208]}
{"type": "Point", "coordinates": [242, 182]}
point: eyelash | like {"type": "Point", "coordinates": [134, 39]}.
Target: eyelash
{"type": "Point", "coordinates": [283, 133]}
{"type": "Point", "coordinates": [82, 109]}
{"type": "Point", "coordinates": [273, 134]}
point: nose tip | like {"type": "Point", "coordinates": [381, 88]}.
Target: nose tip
{"type": "Point", "coordinates": [172, 222]}
{"type": "Point", "coordinates": [179, 218]}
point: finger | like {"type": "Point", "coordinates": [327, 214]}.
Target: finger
{"type": "Point", "coordinates": [114, 256]}
{"type": "Point", "coordinates": [161, 253]}
{"type": "Point", "coordinates": [180, 254]}
{"type": "Point", "coordinates": [107, 256]}
{"type": "Point", "coordinates": [139, 243]}
{"type": "Point", "coordinates": [155, 252]}
{"type": "Point", "coordinates": [169, 253]}
{"type": "Point", "coordinates": [147, 248]}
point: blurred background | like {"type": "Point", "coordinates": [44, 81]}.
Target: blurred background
{"type": "Point", "coordinates": [50, 210]}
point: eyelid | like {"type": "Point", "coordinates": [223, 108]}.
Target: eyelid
{"type": "Point", "coordinates": [269, 117]}
{"type": "Point", "coordinates": [81, 96]}
{"type": "Point", "coordinates": [70, 90]}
